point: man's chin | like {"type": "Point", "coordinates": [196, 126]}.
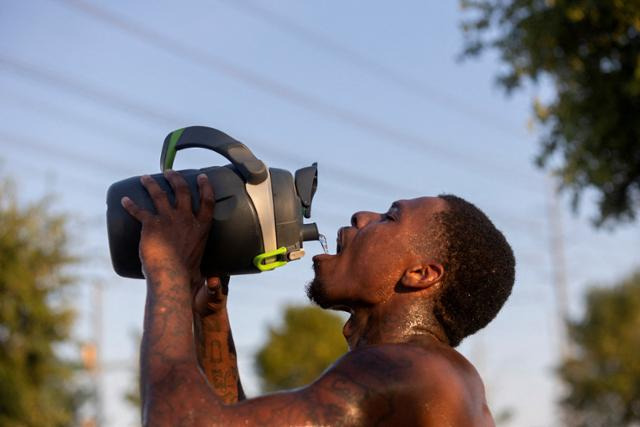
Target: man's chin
{"type": "Point", "coordinates": [318, 295]}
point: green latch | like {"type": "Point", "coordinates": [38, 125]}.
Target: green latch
{"type": "Point", "coordinates": [270, 260]}
{"type": "Point", "coordinates": [171, 149]}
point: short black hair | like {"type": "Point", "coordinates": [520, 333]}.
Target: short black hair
{"type": "Point", "coordinates": [479, 268]}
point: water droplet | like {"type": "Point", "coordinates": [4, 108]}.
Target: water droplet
{"type": "Point", "coordinates": [323, 242]}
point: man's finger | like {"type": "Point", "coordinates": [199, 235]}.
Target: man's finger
{"type": "Point", "coordinates": [218, 284]}
{"type": "Point", "coordinates": [180, 189]}
{"type": "Point", "coordinates": [210, 297]}
{"type": "Point", "coordinates": [133, 209]}
{"type": "Point", "coordinates": [157, 194]}
{"type": "Point", "coordinates": [205, 214]}
{"type": "Point", "coordinates": [201, 300]}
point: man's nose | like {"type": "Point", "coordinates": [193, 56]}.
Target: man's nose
{"type": "Point", "coordinates": [362, 218]}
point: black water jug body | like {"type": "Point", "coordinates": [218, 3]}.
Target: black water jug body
{"type": "Point", "coordinates": [258, 217]}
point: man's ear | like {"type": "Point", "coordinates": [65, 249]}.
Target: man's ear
{"type": "Point", "coordinates": [423, 276]}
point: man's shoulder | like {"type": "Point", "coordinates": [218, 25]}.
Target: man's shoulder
{"type": "Point", "coordinates": [427, 381]}
{"type": "Point", "coordinates": [426, 366]}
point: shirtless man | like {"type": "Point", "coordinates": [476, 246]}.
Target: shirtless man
{"type": "Point", "coordinates": [416, 279]}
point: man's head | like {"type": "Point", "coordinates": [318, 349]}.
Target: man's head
{"type": "Point", "coordinates": [441, 249]}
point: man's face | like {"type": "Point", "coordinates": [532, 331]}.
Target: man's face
{"type": "Point", "coordinates": [373, 254]}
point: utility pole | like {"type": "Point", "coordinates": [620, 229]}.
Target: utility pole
{"type": "Point", "coordinates": [97, 327]}
{"type": "Point", "coordinates": [559, 283]}
{"type": "Point", "coordinates": [558, 268]}
{"type": "Point", "coordinates": [91, 355]}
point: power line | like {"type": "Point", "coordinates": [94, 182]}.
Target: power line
{"type": "Point", "coordinates": [366, 63]}
{"type": "Point", "coordinates": [336, 173]}
{"type": "Point", "coordinates": [102, 96]}
{"type": "Point", "coordinates": [340, 175]}
{"type": "Point", "coordinates": [282, 91]}
{"type": "Point", "coordinates": [45, 108]}
{"type": "Point", "coordinates": [96, 95]}
{"type": "Point", "coordinates": [119, 102]}
{"type": "Point", "coordinates": [109, 98]}
{"type": "Point", "coordinates": [113, 100]}
{"type": "Point", "coordinates": [9, 139]}
{"type": "Point", "coordinates": [106, 167]}
{"type": "Point", "coordinates": [110, 168]}
{"type": "Point", "coordinates": [203, 58]}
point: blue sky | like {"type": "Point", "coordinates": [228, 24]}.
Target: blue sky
{"type": "Point", "coordinates": [366, 88]}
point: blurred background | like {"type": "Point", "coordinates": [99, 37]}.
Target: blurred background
{"type": "Point", "coordinates": [393, 100]}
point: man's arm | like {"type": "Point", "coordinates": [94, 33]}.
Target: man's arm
{"type": "Point", "coordinates": [174, 391]}
{"type": "Point", "coordinates": [214, 341]}
{"type": "Point", "coordinates": [353, 392]}
{"type": "Point", "coordinates": [171, 246]}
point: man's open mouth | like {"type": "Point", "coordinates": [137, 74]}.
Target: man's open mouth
{"type": "Point", "coordinates": [340, 245]}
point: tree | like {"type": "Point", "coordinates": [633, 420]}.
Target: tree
{"type": "Point", "coordinates": [590, 50]}
{"type": "Point", "coordinates": [34, 251]}
{"type": "Point", "coordinates": [603, 378]}
{"type": "Point", "coordinates": [298, 351]}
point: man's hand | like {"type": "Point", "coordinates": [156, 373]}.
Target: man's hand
{"type": "Point", "coordinates": [174, 239]}
{"type": "Point", "coordinates": [211, 297]}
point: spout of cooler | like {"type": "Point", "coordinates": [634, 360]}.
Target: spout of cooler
{"type": "Point", "coordinates": [309, 232]}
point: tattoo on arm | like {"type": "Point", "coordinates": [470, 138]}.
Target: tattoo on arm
{"type": "Point", "coordinates": [361, 389]}
{"type": "Point", "coordinates": [169, 375]}
{"type": "Point", "coordinates": [217, 356]}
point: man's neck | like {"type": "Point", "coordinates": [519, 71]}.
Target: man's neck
{"type": "Point", "coordinates": [393, 322]}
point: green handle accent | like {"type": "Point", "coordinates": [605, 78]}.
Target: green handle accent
{"type": "Point", "coordinates": [251, 169]}
{"type": "Point", "coordinates": [171, 149]}
{"type": "Point", "coordinates": [266, 262]}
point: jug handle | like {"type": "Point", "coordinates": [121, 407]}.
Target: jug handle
{"type": "Point", "coordinates": [251, 168]}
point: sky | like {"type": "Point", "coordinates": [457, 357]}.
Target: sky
{"type": "Point", "coordinates": [374, 91]}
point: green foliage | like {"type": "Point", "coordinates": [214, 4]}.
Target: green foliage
{"type": "Point", "coordinates": [309, 340]}
{"type": "Point", "coordinates": [34, 250]}
{"type": "Point", "coordinates": [603, 378]}
{"type": "Point", "coordinates": [590, 50]}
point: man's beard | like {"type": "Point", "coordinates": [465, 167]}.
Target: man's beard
{"type": "Point", "coordinates": [317, 294]}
